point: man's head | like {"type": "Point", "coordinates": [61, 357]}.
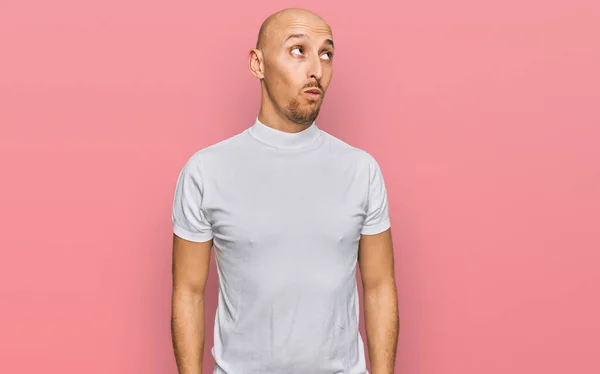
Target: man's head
{"type": "Point", "coordinates": [293, 60]}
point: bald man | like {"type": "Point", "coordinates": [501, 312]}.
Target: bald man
{"type": "Point", "coordinates": [290, 210]}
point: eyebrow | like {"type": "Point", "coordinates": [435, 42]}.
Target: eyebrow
{"type": "Point", "coordinates": [304, 36]}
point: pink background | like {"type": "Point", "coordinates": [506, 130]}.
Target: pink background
{"type": "Point", "coordinates": [485, 118]}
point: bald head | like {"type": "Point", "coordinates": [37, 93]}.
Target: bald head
{"type": "Point", "coordinates": [293, 60]}
{"type": "Point", "coordinates": [276, 22]}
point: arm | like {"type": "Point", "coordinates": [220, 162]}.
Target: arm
{"type": "Point", "coordinates": [376, 263]}
{"type": "Point", "coordinates": [190, 272]}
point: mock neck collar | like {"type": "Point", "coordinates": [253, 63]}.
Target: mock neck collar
{"type": "Point", "coordinates": [284, 140]}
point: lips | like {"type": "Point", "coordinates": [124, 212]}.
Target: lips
{"type": "Point", "coordinates": [314, 91]}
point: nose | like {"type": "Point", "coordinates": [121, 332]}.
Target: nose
{"type": "Point", "coordinates": [315, 69]}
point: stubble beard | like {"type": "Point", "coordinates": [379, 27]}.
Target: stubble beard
{"type": "Point", "coordinates": [302, 114]}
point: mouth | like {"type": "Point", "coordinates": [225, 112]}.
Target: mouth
{"type": "Point", "coordinates": [314, 93]}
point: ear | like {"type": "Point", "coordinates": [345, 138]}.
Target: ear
{"type": "Point", "coordinates": [255, 63]}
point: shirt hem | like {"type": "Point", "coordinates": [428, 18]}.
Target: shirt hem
{"type": "Point", "coordinates": [377, 228]}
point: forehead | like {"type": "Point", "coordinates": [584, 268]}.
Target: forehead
{"type": "Point", "coordinates": [309, 28]}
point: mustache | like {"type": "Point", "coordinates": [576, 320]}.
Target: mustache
{"type": "Point", "coordinates": [313, 85]}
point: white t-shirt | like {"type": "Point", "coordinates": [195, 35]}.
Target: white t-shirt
{"type": "Point", "coordinates": [285, 211]}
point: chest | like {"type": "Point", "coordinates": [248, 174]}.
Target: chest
{"type": "Point", "coordinates": [287, 207]}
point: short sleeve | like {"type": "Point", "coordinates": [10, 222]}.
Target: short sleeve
{"type": "Point", "coordinates": [377, 219]}
{"type": "Point", "coordinates": [188, 218]}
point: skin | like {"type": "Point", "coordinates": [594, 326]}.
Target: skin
{"type": "Point", "coordinates": [286, 67]}
{"type": "Point", "coordinates": [376, 264]}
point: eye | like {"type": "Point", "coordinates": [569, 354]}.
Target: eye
{"type": "Point", "coordinates": [328, 55]}
{"type": "Point", "coordinates": [297, 49]}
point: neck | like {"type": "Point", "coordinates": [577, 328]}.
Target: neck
{"type": "Point", "coordinates": [285, 140]}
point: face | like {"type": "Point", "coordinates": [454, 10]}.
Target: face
{"type": "Point", "coordinates": [298, 68]}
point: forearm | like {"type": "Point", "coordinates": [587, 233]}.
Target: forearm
{"type": "Point", "coordinates": [187, 330]}
{"type": "Point", "coordinates": [382, 325]}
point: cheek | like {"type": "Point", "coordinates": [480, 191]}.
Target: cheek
{"type": "Point", "coordinates": [326, 78]}
{"type": "Point", "coordinates": [285, 79]}
{"type": "Point", "coordinates": [287, 83]}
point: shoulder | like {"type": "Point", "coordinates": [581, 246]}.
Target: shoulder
{"type": "Point", "coordinates": [221, 149]}
{"type": "Point", "coordinates": [214, 154]}
{"type": "Point", "coordinates": [360, 157]}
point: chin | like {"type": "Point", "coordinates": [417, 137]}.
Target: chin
{"type": "Point", "coordinates": [305, 120]}
{"type": "Point", "coordinates": [303, 114]}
